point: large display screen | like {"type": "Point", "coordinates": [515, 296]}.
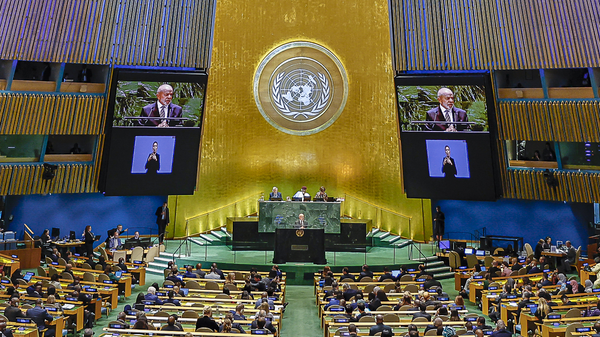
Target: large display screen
{"type": "Point", "coordinates": [153, 132]}
{"type": "Point", "coordinates": [446, 122]}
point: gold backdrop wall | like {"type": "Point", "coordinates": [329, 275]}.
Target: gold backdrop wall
{"type": "Point", "coordinates": [357, 156]}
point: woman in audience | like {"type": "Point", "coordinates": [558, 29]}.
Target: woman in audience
{"type": "Point", "coordinates": [454, 317]}
{"type": "Point", "coordinates": [140, 298]}
{"type": "Point", "coordinates": [15, 276]}
{"type": "Point", "coordinates": [405, 300]}
{"type": "Point", "coordinates": [226, 327]}
{"type": "Point", "coordinates": [52, 291]}
{"type": "Point", "coordinates": [506, 271]}
{"type": "Point", "coordinates": [111, 276]}
{"type": "Point", "coordinates": [464, 292]}
{"type": "Point", "coordinates": [246, 295]}
{"type": "Point", "coordinates": [325, 272]}
{"type": "Point", "coordinates": [54, 280]}
{"type": "Point", "coordinates": [543, 310]}
{"type": "Point", "coordinates": [172, 299]}
{"type": "Point", "coordinates": [459, 301]}
{"type": "Point", "coordinates": [441, 311]}
{"type": "Point", "coordinates": [265, 306]}
{"type": "Point", "coordinates": [51, 302]}
{"type": "Point", "coordinates": [379, 298]}
{"type": "Point", "coordinates": [141, 321]}
{"type": "Point", "coordinates": [589, 286]}
{"type": "Point", "coordinates": [45, 238]}
{"type": "Point", "coordinates": [574, 288]}
{"type": "Point", "coordinates": [230, 279]}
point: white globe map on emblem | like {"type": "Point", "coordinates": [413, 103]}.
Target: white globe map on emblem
{"type": "Point", "coordinates": [301, 94]}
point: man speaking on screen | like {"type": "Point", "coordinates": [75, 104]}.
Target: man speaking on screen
{"type": "Point", "coordinates": [163, 107]}
{"type": "Point", "coordinates": [447, 112]}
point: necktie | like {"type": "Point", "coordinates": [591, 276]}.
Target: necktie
{"type": "Point", "coordinates": [447, 115]}
{"type": "Point", "coordinates": [162, 111]}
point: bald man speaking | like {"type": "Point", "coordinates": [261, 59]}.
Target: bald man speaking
{"type": "Point", "coordinates": [446, 111]}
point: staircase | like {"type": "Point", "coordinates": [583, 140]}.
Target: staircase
{"type": "Point", "coordinates": [437, 268]}
{"type": "Point", "coordinates": [387, 239]}
{"type": "Point", "coordinates": [213, 238]}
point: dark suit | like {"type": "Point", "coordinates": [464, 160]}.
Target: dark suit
{"type": "Point", "coordinates": [152, 166]}
{"type": "Point", "coordinates": [379, 328]}
{"type": "Point", "coordinates": [449, 170]}
{"type": "Point", "coordinates": [162, 223]}
{"type": "Point", "coordinates": [300, 223]}
{"type": "Point", "coordinates": [150, 297]}
{"type": "Point", "coordinates": [39, 315]}
{"type": "Point", "coordinates": [89, 243]}
{"type": "Point", "coordinates": [6, 333]}
{"type": "Point", "coordinates": [421, 314]}
{"type": "Point", "coordinates": [274, 196]}
{"type": "Point", "coordinates": [151, 110]}
{"type": "Point", "coordinates": [12, 313]}
{"type": "Point", "coordinates": [348, 294]}
{"type": "Point", "coordinates": [436, 114]}
{"type": "Point", "coordinates": [568, 260]}
{"type": "Point", "coordinates": [207, 322]}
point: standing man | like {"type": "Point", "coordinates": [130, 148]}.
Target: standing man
{"type": "Point", "coordinates": [569, 259]}
{"type": "Point", "coordinates": [162, 220]}
{"type": "Point", "coordinates": [162, 108]}
{"type": "Point", "coordinates": [446, 111]}
{"type": "Point", "coordinates": [438, 224]}
{"type": "Point", "coordinates": [300, 223]}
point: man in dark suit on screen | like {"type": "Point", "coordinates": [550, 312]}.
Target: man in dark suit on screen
{"type": "Point", "coordinates": [162, 108]}
{"type": "Point", "coordinates": [446, 111]}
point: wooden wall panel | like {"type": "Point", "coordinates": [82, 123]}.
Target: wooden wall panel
{"type": "Point", "coordinates": [27, 179]}
{"type": "Point", "coordinates": [562, 121]}
{"type": "Point", "coordinates": [39, 114]}
{"type": "Point", "coordinates": [128, 32]}
{"type": "Point", "coordinates": [494, 34]}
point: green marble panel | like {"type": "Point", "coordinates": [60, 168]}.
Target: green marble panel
{"type": "Point", "coordinates": [283, 214]}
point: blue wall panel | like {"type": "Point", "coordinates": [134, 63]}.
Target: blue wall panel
{"type": "Point", "coordinates": [75, 211]}
{"type": "Point", "coordinates": [530, 219]}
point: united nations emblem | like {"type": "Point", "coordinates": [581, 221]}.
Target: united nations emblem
{"type": "Point", "coordinates": [300, 233]}
{"type": "Point", "coordinates": [300, 88]}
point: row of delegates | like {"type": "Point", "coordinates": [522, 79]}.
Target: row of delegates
{"type": "Point", "coordinates": [300, 195]}
{"type": "Point", "coordinates": [262, 321]}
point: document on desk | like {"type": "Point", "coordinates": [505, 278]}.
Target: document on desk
{"type": "Point", "coordinates": [68, 306]}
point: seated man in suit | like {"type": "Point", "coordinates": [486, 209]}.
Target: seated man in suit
{"type": "Point", "coordinates": [189, 273]}
{"type": "Point", "coordinates": [379, 326]}
{"type": "Point", "coordinates": [12, 311]}
{"type": "Point", "coordinates": [151, 296]}
{"type": "Point", "coordinates": [206, 321]}
{"type": "Point", "coordinates": [162, 108]}
{"type": "Point", "coordinates": [446, 111]}
{"type": "Point", "coordinates": [300, 223]}
{"type": "Point", "coordinates": [40, 316]}
{"type": "Point", "coordinates": [115, 242]}
{"type": "Point", "coordinates": [275, 194]}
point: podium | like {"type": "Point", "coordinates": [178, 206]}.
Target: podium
{"type": "Point", "coordinates": [299, 245]}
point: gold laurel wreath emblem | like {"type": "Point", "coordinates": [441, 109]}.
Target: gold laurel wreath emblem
{"type": "Point", "coordinates": [300, 233]}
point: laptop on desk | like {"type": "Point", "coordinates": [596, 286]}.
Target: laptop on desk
{"type": "Point", "coordinates": [97, 238]}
